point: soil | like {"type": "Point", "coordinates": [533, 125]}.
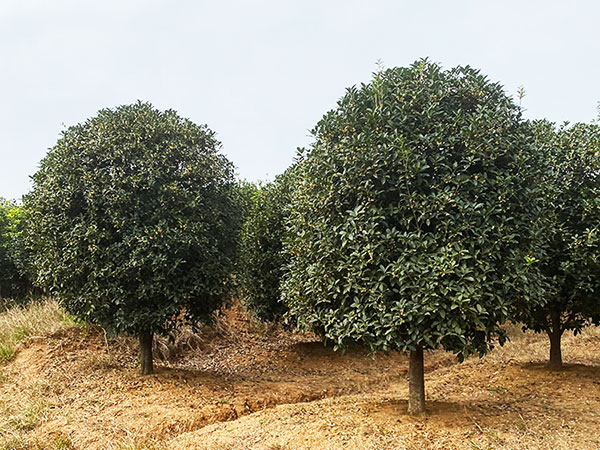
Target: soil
{"type": "Point", "coordinates": [251, 386]}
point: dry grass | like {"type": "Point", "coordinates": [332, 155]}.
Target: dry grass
{"type": "Point", "coordinates": [20, 414]}
{"type": "Point", "coordinates": [37, 319]}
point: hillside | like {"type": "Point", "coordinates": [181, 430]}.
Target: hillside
{"type": "Point", "coordinates": [249, 386]}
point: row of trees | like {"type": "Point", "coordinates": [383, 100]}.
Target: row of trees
{"type": "Point", "coordinates": [425, 215]}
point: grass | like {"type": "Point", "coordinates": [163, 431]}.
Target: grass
{"type": "Point", "coordinates": [38, 318]}
{"type": "Point", "coordinates": [17, 324]}
{"type": "Point", "coordinates": [146, 445]}
{"type": "Point", "coordinates": [20, 443]}
{"type": "Point", "coordinates": [7, 352]}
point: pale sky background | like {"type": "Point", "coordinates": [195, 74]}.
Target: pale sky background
{"type": "Point", "coordinates": [262, 73]}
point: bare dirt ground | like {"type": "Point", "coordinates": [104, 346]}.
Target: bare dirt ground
{"type": "Point", "coordinates": [246, 386]}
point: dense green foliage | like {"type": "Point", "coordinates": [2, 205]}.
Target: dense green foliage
{"type": "Point", "coordinates": [133, 220]}
{"type": "Point", "coordinates": [262, 261]}
{"type": "Point", "coordinates": [414, 219]}
{"type": "Point", "coordinates": [572, 207]}
{"type": "Point", "coordinates": [12, 281]}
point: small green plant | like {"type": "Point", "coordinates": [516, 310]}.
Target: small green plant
{"type": "Point", "coordinates": [62, 443]}
{"type": "Point", "coordinates": [497, 389]}
{"type": "Point", "coordinates": [7, 353]}
{"type": "Point", "coordinates": [30, 416]}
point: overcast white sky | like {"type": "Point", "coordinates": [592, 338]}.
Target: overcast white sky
{"type": "Point", "coordinates": [262, 73]}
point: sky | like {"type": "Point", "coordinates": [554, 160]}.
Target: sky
{"type": "Point", "coordinates": [261, 73]}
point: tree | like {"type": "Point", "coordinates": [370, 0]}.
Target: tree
{"type": "Point", "coordinates": [262, 261]}
{"type": "Point", "coordinates": [414, 222]}
{"type": "Point", "coordinates": [13, 283]}
{"type": "Point", "coordinates": [133, 222]}
{"type": "Point", "coordinates": [572, 207]}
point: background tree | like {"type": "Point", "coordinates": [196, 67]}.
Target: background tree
{"type": "Point", "coordinates": [13, 282]}
{"type": "Point", "coordinates": [572, 262]}
{"type": "Point", "coordinates": [413, 223]}
{"type": "Point", "coordinates": [261, 260]}
{"type": "Point", "coordinates": [133, 221]}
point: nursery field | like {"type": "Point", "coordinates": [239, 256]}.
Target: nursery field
{"type": "Point", "coordinates": [246, 385]}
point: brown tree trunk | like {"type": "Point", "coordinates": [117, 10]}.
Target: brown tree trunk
{"type": "Point", "coordinates": [555, 334]}
{"type": "Point", "coordinates": [555, 351]}
{"type": "Point", "coordinates": [416, 382]}
{"type": "Point", "coordinates": [147, 365]}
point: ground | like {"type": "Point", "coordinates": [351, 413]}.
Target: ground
{"type": "Point", "coordinates": [250, 386]}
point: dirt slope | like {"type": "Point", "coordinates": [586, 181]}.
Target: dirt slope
{"type": "Point", "coordinates": [248, 387]}
{"type": "Point", "coordinates": [480, 405]}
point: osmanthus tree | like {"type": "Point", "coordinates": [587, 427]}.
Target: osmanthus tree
{"type": "Point", "coordinates": [413, 225]}
{"type": "Point", "coordinates": [261, 259]}
{"type": "Point", "coordinates": [572, 262]}
{"type": "Point", "coordinates": [13, 282]}
{"type": "Point", "coordinates": [133, 220]}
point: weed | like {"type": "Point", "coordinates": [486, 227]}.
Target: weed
{"type": "Point", "coordinates": [498, 389]}
{"type": "Point", "coordinates": [478, 447]}
{"type": "Point", "coordinates": [29, 417]}
{"type": "Point", "coordinates": [145, 445]}
{"type": "Point", "coordinates": [62, 443]}
{"type": "Point", "coordinates": [7, 352]}
{"type": "Point", "coordinates": [493, 434]}
{"type": "Point", "coordinates": [20, 332]}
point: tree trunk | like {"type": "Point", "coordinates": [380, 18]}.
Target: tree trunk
{"type": "Point", "coordinates": [416, 382]}
{"type": "Point", "coordinates": [555, 351]}
{"type": "Point", "coordinates": [147, 366]}
{"type": "Point", "coordinates": [555, 333]}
